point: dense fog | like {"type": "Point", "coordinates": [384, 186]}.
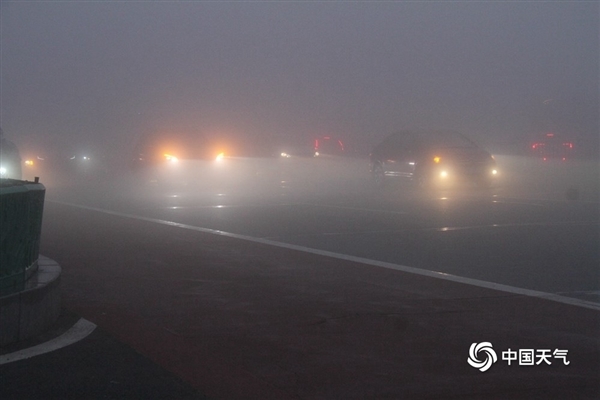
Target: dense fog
{"type": "Point", "coordinates": [96, 76]}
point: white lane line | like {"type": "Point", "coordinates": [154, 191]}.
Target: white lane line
{"type": "Point", "coordinates": [77, 332]}
{"type": "Point", "coordinates": [381, 264]}
{"type": "Point", "coordinates": [221, 206]}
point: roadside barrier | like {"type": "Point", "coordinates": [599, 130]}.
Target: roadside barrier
{"type": "Point", "coordinates": [21, 210]}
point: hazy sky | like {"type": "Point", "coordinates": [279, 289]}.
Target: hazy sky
{"type": "Point", "coordinates": [108, 71]}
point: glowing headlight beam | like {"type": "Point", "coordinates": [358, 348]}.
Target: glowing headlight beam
{"type": "Point", "coordinates": [171, 158]}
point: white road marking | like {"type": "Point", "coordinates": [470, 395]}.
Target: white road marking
{"type": "Point", "coordinates": [221, 206]}
{"type": "Point", "coordinates": [77, 332]}
{"type": "Point", "coordinates": [381, 264]}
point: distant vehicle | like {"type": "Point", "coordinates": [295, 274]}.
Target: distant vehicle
{"type": "Point", "coordinates": [157, 149]}
{"type": "Point", "coordinates": [310, 147]}
{"type": "Point", "coordinates": [193, 158]}
{"type": "Point", "coordinates": [328, 145]}
{"type": "Point", "coordinates": [295, 147]}
{"type": "Point", "coordinates": [54, 159]}
{"type": "Point", "coordinates": [10, 159]}
{"type": "Point", "coordinates": [431, 158]}
{"type": "Point", "coordinates": [552, 146]}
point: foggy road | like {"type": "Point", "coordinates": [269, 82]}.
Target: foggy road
{"type": "Point", "coordinates": [304, 282]}
{"type": "Point", "coordinates": [524, 233]}
{"type": "Point", "coordinates": [210, 199]}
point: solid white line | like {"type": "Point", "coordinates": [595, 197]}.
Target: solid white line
{"type": "Point", "coordinates": [382, 264]}
{"type": "Point", "coordinates": [77, 332]}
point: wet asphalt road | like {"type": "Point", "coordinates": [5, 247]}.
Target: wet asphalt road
{"type": "Point", "coordinates": [527, 233]}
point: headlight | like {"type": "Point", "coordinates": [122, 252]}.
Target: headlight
{"type": "Point", "coordinates": [443, 174]}
{"type": "Point", "coordinates": [494, 172]}
{"type": "Point", "coordinates": [2, 171]}
{"type": "Point", "coordinates": [171, 158]}
{"type": "Point", "coordinates": [29, 163]}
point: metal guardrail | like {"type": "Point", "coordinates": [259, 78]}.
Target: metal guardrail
{"type": "Point", "coordinates": [21, 210]}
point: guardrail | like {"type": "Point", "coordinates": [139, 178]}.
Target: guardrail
{"type": "Point", "coordinates": [21, 210]}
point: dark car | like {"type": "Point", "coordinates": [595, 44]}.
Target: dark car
{"type": "Point", "coordinates": [432, 158]}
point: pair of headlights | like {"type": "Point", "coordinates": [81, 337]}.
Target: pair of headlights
{"type": "Point", "coordinates": [173, 159]}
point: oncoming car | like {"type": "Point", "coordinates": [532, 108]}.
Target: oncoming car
{"type": "Point", "coordinates": [432, 158]}
{"type": "Point", "coordinates": [178, 157]}
{"type": "Point", "coordinates": [157, 149]}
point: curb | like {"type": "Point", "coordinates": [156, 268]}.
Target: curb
{"type": "Point", "coordinates": [32, 311]}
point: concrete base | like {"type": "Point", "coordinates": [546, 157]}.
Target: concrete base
{"type": "Point", "coordinates": [28, 313]}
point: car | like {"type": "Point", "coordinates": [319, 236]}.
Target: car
{"type": "Point", "coordinates": [328, 145]}
{"type": "Point", "coordinates": [180, 157]}
{"type": "Point", "coordinates": [431, 158]}
{"type": "Point", "coordinates": [54, 159]}
{"type": "Point", "coordinates": [552, 146]}
{"type": "Point", "coordinates": [160, 148]}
